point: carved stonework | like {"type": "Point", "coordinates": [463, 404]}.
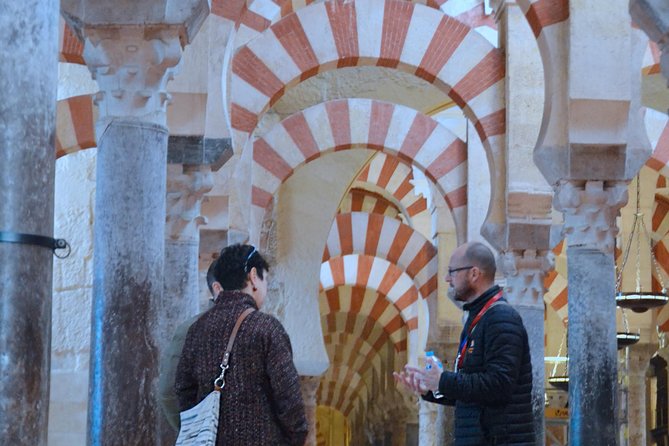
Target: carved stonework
{"type": "Point", "coordinates": [590, 210]}
{"type": "Point", "coordinates": [525, 272]}
{"type": "Point", "coordinates": [132, 66]}
{"type": "Point", "coordinates": [185, 190]}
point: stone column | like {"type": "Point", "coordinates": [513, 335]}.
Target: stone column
{"type": "Point", "coordinates": [309, 386]}
{"type": "Point", "coordinates": [639, 361]}
{"type": "Point", "coordinates": [186, 185]}
{"type": "Point", "coordinates": [428, 432]}
{"type": "Point", "coordinates": [29, 77]}
{"type": "Point", "coordinates": [590, 209]}
{"type": "Point", "coordinates": [131, 54]}
{"type": "Point", "coordinates": [525, 271]}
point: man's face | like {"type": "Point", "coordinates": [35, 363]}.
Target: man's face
{"type": "Point", "coordinates": [460, 288]}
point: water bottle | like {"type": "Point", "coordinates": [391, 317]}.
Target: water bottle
{"type": "Point", "coordinates": [431, 358]}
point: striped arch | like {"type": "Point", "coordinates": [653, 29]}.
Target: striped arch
{"type": "Point", "coordinates": [542, 14]}
{"type": "Point", "coordinates": [389, 239]}
{"type": "Point", "coordinates": [70, 48]}
{"type": "Point", "coordinates": [348, 383]}
{"type": "Point", "coordinates": [369, 330]}
{"type": "Point", "coordinates": [345, 353]}
{"type": "Point", "coordinates": [659, 159]}
{"type": "Point", "coordinates": [260, 14]}
{"type": "Point", "coordinates": [360, 123]}
{"type": "Point", "coordinates": [75, 124]}
{"type": "Point", "coordinates": [329, 390]}
{"type": "Point", "coordinates": [390, 174]}
{"type": "Point", "coordinates": [362, 200]}
{"type": "Point", "coordinates": [393, 34]}
{"type": "Point", "coordinates": [356, 301]}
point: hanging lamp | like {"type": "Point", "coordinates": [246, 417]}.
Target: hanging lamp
{"type": "Point", "coordinates": [626, 338]}
{"type": "Point", "coordinates": [638, 300]}
{"type": "Point", "coordinates": [561, 381]}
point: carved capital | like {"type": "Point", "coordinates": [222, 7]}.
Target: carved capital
{"type": "Point", "coordinates": [590, 209]}
{"type": "Point", "coordinates": [132, 66]}
{"type": "Point", "coordinates": [525, 271]}
{"type": "Point", "coordinates": [185, 190]}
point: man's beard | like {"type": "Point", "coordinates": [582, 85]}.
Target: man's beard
{"type": "Point", "coordinates": [460, 296]}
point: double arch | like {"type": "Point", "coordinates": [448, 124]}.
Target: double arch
{"type": "Point", "coordinates": [360, 123]}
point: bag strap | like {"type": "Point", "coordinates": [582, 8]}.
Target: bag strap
{"type": "Point", "coordinates": [219, 382]}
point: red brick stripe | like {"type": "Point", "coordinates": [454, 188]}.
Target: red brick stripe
{"type": "Point", "coordinates": [264, 155]}
{"type": "Point", "coordinates": [250, 68]}
{"type": "Point", "coordinates": [290, 33]}
{"type": "Point", "coordinates": [396, 21]}
{"type": "Point", "coordinates": [341, 14]}
{"type": "Point", "coordinates": [449, 35]}
{"type": "Point", "coordinates": [421, 129]}
{"type": "Point", "coordinates": [382, 114]}
{"type": "Point", "coordinates": [453, 156]}
{"type": "Point", "coordinates": [545, 13]}
{"type": "Point", "coordinates": [338, 116]}
{"type": "Point", "coordinates": [300, 132]}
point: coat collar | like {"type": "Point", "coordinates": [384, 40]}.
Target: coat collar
{"type": "Point", "coordinates": [474, 306]}
{"type": "Point", "coordinates": [235, 298]}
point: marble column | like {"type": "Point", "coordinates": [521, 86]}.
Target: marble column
{"type": "Point", "coordinates": [590, 209]}
{"type": "Point", "coordinates": [428, 432]}
{"type": "Point", "coordinates": [639, 362]}
{"type": "Point", "coordinates": [132, 68]}
{"type": "Point", "coordinates": [525, 271]}
{"type": "Point", "coordinates": [29, 77]}
{"type": "Point", "coordinates": [309, 387]}
{"type": "Point", "coordinates": [186, 186]}
{"type": "Point", "coordinates": [447, 352]}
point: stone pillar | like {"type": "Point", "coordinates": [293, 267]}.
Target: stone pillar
{"type": "Point", "coordinates": [590, 209]}
{"type": "Point", "coordinates": [447, 351]}
{"type": "Point", "coordinates": [428, 432]}
{"type": "Point", "coordinates": [525, 271]}
{"type": "Point", "coordinates": [309, 386]}
{"type": "Point", "coordinates": [29, 77]}
{"type": "Point", "coordinates": [186, 185]}
{"type": "Point", "coordinates": [639, 361]}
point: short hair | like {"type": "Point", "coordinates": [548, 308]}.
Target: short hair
{"type": "Point", "coordinates": [480, 256]}
{"type": "Point", "coordinates": [233, 265]}
{"type": "Point", "coordinates": [211, 278]}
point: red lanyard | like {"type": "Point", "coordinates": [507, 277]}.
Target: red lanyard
{"type": "Point", "coordinates": [486, 307]}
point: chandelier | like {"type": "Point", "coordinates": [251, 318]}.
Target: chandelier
{"type": "Point", "coordinates": [639, 300]}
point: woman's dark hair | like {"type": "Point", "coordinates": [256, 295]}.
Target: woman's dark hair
{"type": "Point", "coordinates": [234, 264]}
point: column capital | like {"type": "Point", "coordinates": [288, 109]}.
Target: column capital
{"type": "Point", "coordinates": [590, 209]}
{"type": "Point", "coordinates": [525, 270]}
{"type": "Point", "coordinates": [132, 66]}
{"type": "Point", "coordinates": [185, 189]}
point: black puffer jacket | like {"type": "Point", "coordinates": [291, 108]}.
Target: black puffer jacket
{"type": "Point", "coordinates": [492, 391]}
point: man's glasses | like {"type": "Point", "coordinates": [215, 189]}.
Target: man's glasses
{"type": "Point", "coordinates": [246, 263]}
{"type": "Point", "coordinates": [451, 271]}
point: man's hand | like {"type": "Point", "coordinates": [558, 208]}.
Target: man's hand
{"type": "Point", "coordinates": [419, 380]}
{"type": "Point", "coordinates": [409, 381]}
{"type": "Point", "coordinates": [427, 379]}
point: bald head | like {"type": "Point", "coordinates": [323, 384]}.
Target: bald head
{"type": "Point", "coordinates": [479, 255]}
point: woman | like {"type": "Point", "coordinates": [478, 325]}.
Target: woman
{"type": "Point", "coordinates": [261, 403]}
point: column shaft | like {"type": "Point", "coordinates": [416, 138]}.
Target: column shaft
{"type": "Point", "coordinates": [29, 77]}
{"type": "Point", "coordinates": [592, 347]}
{"type": "Point", "coordinates": [129, 237]}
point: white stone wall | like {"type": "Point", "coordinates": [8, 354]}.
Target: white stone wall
{"type": "Point", "coordinates": [72, 291]}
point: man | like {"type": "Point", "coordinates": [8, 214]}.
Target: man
{"type": "Point", "coordinates": [492, 383]}
{"type": "Point", "coordinates": [170, 359]}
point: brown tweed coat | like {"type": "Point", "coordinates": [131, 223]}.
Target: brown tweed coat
{"type": "Point", "coordinates": [261, 403]}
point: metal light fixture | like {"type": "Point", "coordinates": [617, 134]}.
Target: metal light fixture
{"type": "Point", "coordinates": [626, 338]}
{"type": "Point", "coordinates": [638, 300]}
